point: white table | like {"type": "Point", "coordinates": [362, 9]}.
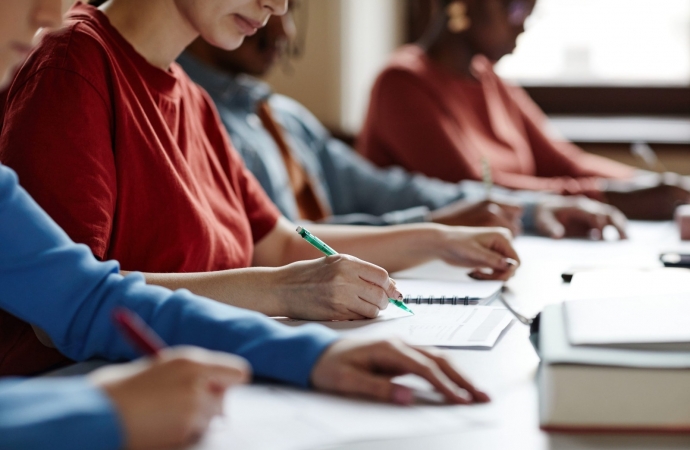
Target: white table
{"type": "Point", "coordinates": [507, 371]}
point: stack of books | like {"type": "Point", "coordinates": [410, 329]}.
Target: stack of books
{"type": "Point", "coordinates": [616, 365]}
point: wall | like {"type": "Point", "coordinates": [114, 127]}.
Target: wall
{"type": "Point", "coordinates": [347, 43]}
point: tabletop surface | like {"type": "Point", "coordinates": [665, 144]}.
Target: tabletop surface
{"type": "Point", "coordinates": [508, 371]}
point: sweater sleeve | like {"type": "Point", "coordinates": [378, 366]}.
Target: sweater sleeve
{"type": "Point", "coordinates": [38, 262]}
{"type": "Point", "coordinates": [57, 414]}
{"type": "Point", "coordinates": [559, 158]}
{"type": "Point", "coordinates": [404, 121]}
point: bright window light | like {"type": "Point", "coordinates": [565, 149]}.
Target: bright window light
{"type": "Point", "coordinates": [603, 42]}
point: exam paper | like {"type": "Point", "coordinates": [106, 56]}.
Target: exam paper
{"type": "Point", "coordinates": [260, 417]}
{"type": "Point", "coordinates": [433, 325]}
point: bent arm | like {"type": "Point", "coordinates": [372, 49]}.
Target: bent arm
{"type": "Point", "coordinates": [52, 283]}
{"type": "Point", "coordinates": [393, 248]}
{"type": "Point", "coordinates": [57, 414]}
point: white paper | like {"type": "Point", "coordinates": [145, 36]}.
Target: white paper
{"type": "Point", "coordinates": [260, 417]}
{"type": "Point", "coordinates": [432, 325]}
{"type": "Point", "coordinates": [625, 283]}
{"type": "Point", "coordinates": [413, 288]}
{"type": "Point", "coordinates": [635, 320]}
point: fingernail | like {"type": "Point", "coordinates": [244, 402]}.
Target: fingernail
{"type": "Point", "coordinates": [511, 262]}
{"type": "Point", "coordinates": [398, 295]}
{"type": "Point", "coordinates": [402, 396]}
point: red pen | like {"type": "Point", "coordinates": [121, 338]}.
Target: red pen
{"type": "Point", "coordinates": [140, 335]}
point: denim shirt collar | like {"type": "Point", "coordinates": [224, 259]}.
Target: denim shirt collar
{"type": "Point", "coordinates": [242, 90]}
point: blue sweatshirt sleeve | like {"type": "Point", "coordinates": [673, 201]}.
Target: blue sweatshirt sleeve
{"type": "Point", "coordinates": [57, 414]}
{"type": "Point", "coordinates": [58, 286]}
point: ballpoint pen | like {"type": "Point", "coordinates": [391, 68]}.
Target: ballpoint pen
{"type": "Point", "coordinates": [328, 251]}
{"type": "Point", "coordinates": [137, 332]}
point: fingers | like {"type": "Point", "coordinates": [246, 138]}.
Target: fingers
{"type": "Point", "coordinates": [549, 225]}
{"type": "Point", "coordinates": [454, 375]}
{"type": "Point", "coordinates": [224, 368]}
{"type": "Point", "coordinates": [398, 358]}
{"type": "Point", "coordinates": [618, 220]}
{"type": "Point", "coordinates": [511, 214]}
{"type": "Point", "coordinates": [377, 276]}
{"type": "Point", "coordinates": [372, 294]}
{"type": "Point", "coordinates": [498, 218]}
{"type": "Point", "coordinates": [376, 384]}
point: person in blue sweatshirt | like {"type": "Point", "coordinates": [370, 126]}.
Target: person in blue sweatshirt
{"type": "Point", "coordinates": [166, 401]}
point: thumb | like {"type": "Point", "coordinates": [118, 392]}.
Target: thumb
{"type": "Point", "coordinates": [550, 226]}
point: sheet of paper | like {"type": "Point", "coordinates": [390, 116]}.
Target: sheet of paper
{"type": "Point", "coordinates": [433, 325]}
{"type": "Point", "coordinates": [260, 417]}
{"type": "Point", "coordinates": [624, 283]}
{"type": "Point", "coordinates": [414, 288]}
{"type": "Point", "coordinates": [435, 270]}
{"type": "Point", "coordinates": [636, 320]}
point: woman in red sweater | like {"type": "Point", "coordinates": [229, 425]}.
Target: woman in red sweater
{"type": "Point", "coordinates": [128, 155]}
{"type": "Point", "coordinates": [440, 109]}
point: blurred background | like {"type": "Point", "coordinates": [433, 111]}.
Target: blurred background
{"type": "Point", "coordinates": [613, 75]}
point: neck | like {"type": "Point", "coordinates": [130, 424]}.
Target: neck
{"type": "Point", "coordinates": [155, 28]}
{"type": "Point", "coordinates": [450, 51]}
{"type": "Point", "coordinates": [205, 53]}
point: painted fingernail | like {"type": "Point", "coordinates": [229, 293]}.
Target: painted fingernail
{"type": "Point", "coordinates": [398, 295]}
{"type": "Point", "coordinates": [402, 395]}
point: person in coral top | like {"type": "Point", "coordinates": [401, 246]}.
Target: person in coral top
{"type": "Point", "coordinates": [440, 109]}
{"type": "Point", "coordinates": [129, 157]}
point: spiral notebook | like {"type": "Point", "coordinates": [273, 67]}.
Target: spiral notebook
{"type": "Point", "coordinates": [448, 292]}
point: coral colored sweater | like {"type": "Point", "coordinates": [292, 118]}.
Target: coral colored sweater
{"type": "Point", "coordinates": [428, 120]}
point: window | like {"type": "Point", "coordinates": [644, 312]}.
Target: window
{"type": "Point", "coordinates": [603, 43]}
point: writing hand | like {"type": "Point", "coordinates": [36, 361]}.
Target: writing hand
{"type": "Point", "coordinates": [169, 401]}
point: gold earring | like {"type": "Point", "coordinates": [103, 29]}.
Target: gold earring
{"type": "Point", "coordinates": [458, 21]}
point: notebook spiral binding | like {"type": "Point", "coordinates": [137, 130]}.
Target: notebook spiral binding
{"type": "Point", "coordinates": [440, 300]}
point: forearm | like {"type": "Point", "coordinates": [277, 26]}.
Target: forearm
{"type": "Point", "coordinates": [243, 288]}
{"type": "Point", "coordinates": [58, 286]}
{"type": "Point", "coordinates": [392, 248]}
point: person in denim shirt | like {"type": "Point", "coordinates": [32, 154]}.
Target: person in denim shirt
{"type": "Point", "coordinates": [353, 190]}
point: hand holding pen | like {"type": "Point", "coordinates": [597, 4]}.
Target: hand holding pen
{"type": "Point", "coordinates": [167, 401]}
{"type": "Point", "coordinates": [328, 251]}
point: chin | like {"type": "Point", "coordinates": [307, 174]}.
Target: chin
{"type": "Point", "coordinates": [228, 42]}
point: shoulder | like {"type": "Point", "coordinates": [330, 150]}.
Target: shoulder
{"type": "Point", "coordinates": [408, 69]}
{"type": "Point", "coordinates": [76, 50]}
{"type": "Point", "coordinates": [296, 114]}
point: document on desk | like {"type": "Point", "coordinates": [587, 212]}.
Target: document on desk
{"type": "Point", "coordinates": [432, 325]}
{"type": "Point", "coordinates": [260, 417]}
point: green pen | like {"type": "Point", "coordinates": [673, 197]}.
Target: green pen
{"type": "Point", "coordinates": [328, 251]}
